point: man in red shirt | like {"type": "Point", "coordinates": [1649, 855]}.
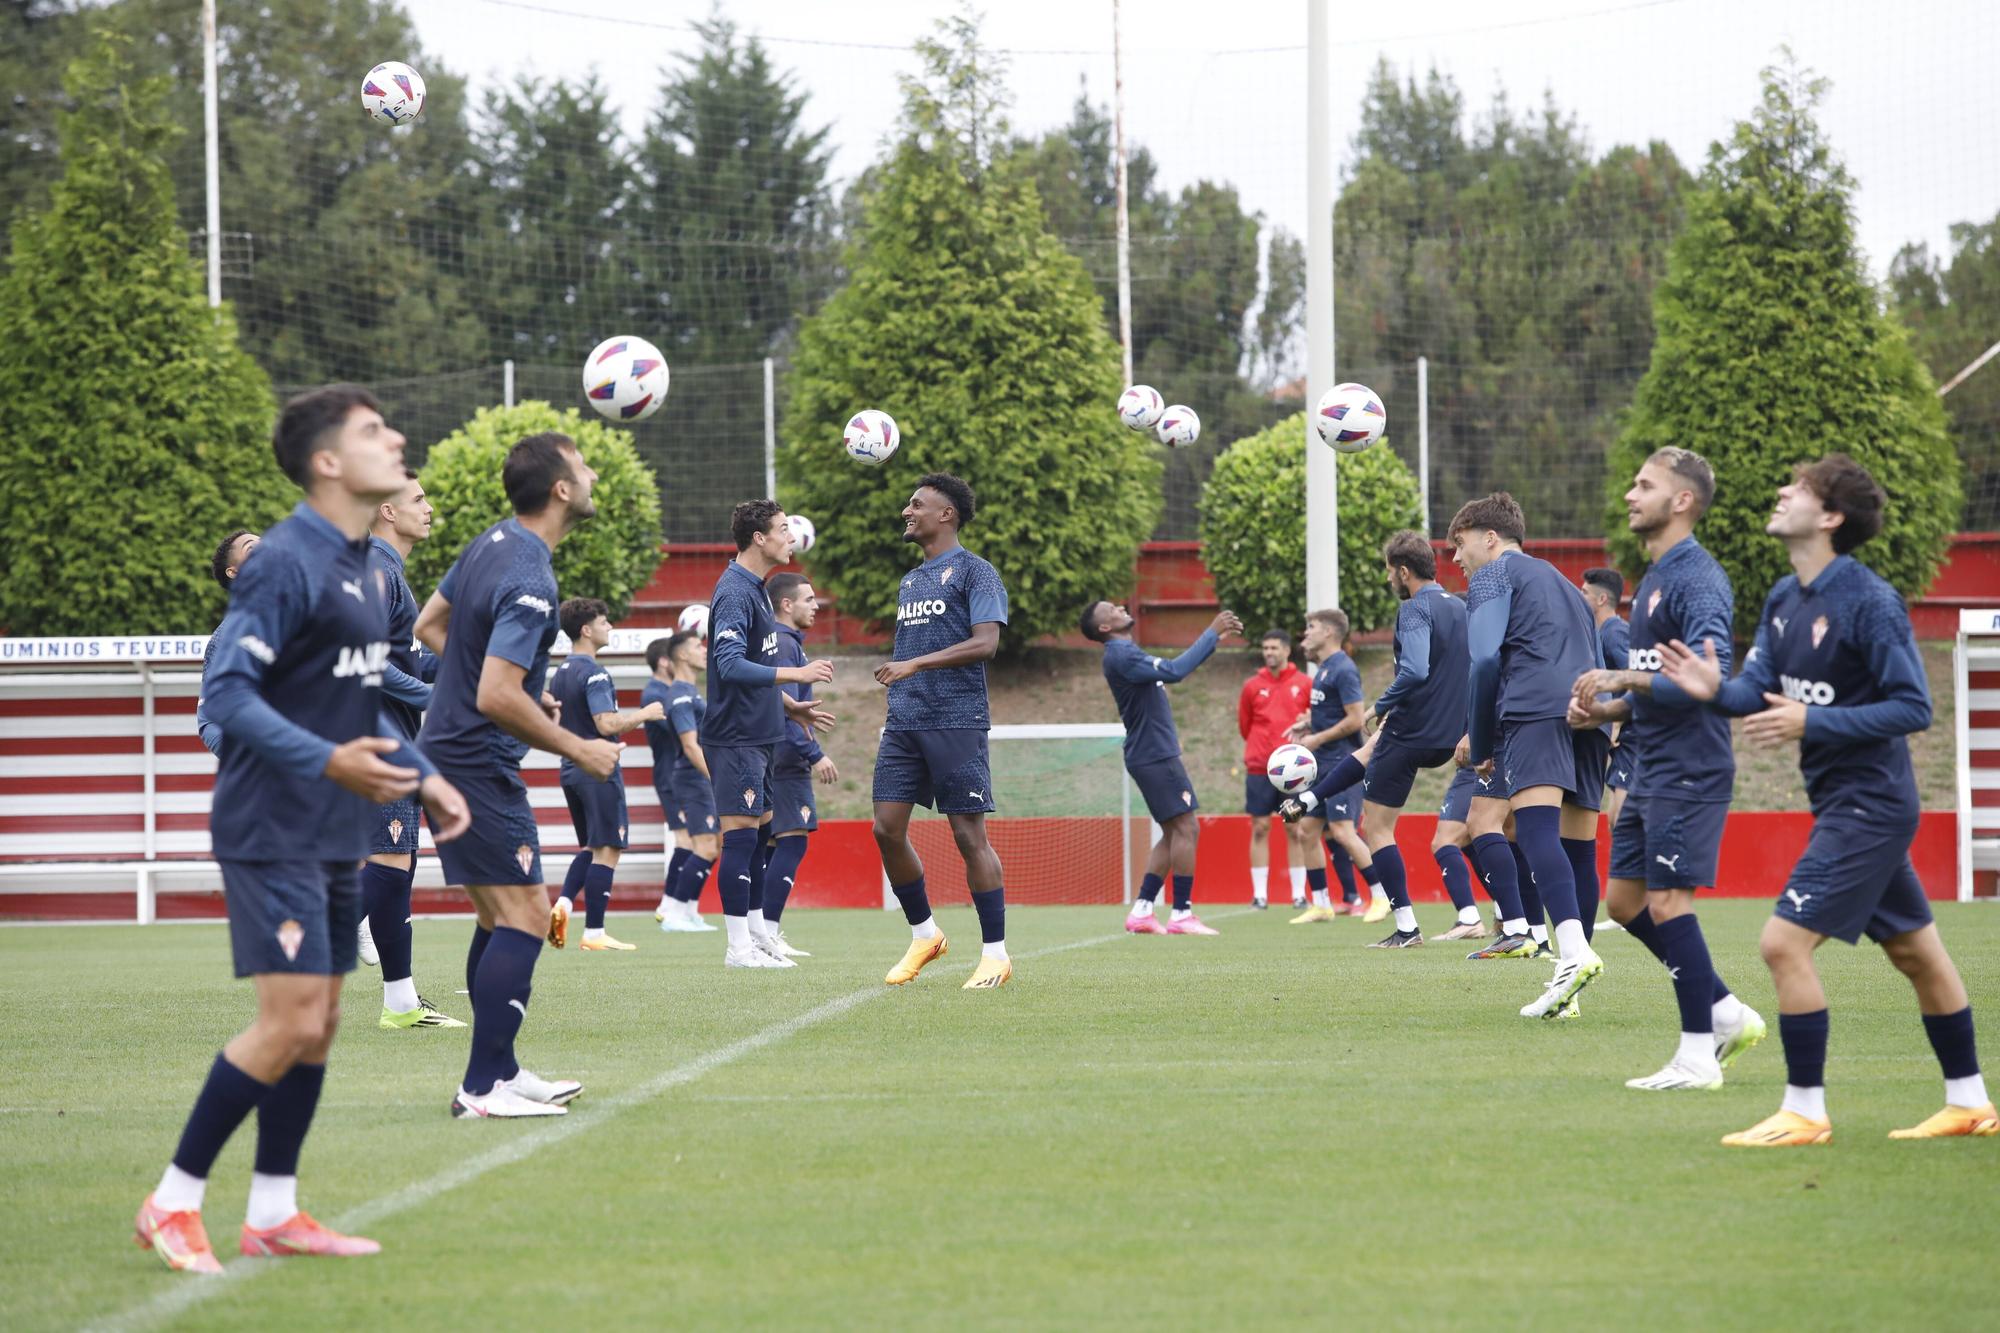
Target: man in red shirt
{"type": "Point", "coordinates": [1271, 701]}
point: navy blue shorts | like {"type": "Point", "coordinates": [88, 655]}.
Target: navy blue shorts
{"type": "Point", "coordinates": [1668, 841]}
{"type": "Point", "coordinates": [1345, 803]}
{"type": "Point", "coordinates": [1855, 878]}
{"type": "Point", "coordinates": [396, 828]}
{"type": "Point", "coordinates": [1260, 798]}
{"type": "Point", "coordinates": [670, 807]}
{"type": "Point", "coordinates": [1593, 751]}
{"type": "Point", "coordinates": [944, 769]}
{"type": "Point", "coordinates": [597, 811]}
{"type": "Point", "coordinates": [1618, 773]}
{"type": "Point", "coordinates": [694, 801]}
{"type": "Point", "coordinates": [299, 917]}
{"type": "Point", "coordinates": [1539, 753]}
{"type": "Point", "coordinates": [1458, 797]}
{"type": "Point", "coordinates": [1394, 769]}
{"type": "Point", "coordinates": [1164, 786]}
{"type": "Point", "coordinates": [502, 846]}
{"type": "Point", "coordinates": [793, 808]}
{"type": "Point", "coordinates": [739, 775]}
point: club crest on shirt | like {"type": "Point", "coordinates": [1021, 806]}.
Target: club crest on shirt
{"type": "Point", "coordinates": [945, 577]}
{"type": "Point", "coordinates": [524, 857]}
{"type": "Point", "coordinates": [749, 798]}
{"type": "Point", "coordinates": [395, 830]}
{"type": "Point", "coordinates": [1653, 601]}
{"type": "Point", "coordinates": [1818, 631]}
{"type": "Point", "coordinates": [290, 936]}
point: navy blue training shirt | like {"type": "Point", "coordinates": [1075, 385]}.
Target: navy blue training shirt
{"type": "Point", "coordinates": [1683, 749]}
{"type": "Point", "coordinates": [502, 590]}
{"type": "Point", "coordinates": [1530, 636]}
{"type": "Point", "coordinates": [1139, 683]}
{"type": "Point", "coordinates": [937, 606]}
{"type": "Point", "coordinates": [1336, 684]}
{"type": "Point", "coordinates": [1614, 642]}
{"type": "Point", "coordinates": [800, 751]}
{"type": "Point", "coordinates": [1842, 646]}
{"type": "Point", "coordinates": [743, 703]}
{"type": "Point", "coordinates": [297, 671]}
{"type": "Point", "coordinates": [406, 681]}
{"type": "Point", "coordinates": [584, 689]}
{"type": "Point", "coordinates": [1424, 706]}
{"type": "Point", "coordinates": [661, 738]}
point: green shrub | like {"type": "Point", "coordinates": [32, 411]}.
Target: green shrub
{"type": "Point", "coordinates": [1253, 527]}
{"type": "Point", "coordinates": [612, 556]}
{"type": "Point", "coordinates": [137, 432]}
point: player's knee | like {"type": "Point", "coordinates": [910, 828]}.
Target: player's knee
{"type": "Point", "coordinates": [1781, 949]}
{"type": "Point", "coordinates": [887, 836]}
{"type": "Point", "coordinates": [970, 837]}
{"type": "Point", "coordinates": [1911, 955]}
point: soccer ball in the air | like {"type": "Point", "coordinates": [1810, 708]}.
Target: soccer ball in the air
{"type": "Point", "coordinates": [694, 616]}
{"type": "Point", "coordinates": [625, 378]}
{"type": "Point", "coordinates": [871, 436]}
{"type": "Point", "coordinates": [804, 534]}
{"type": "Point", "coordinates": [1140, 406]}
{"type": "Point", "coordinates": [1291, 769]}
{"type": "Point", "coordinates": [393, 93]}
{"type": "Point", "coordinates": [1178, 427]}
{"type": "Point", "coordinates": [1350, 417]}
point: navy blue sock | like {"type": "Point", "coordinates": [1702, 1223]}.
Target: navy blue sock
{"type": "Point", "coordinates": [385, 897]}
{"type": "Point", "coordinates": [1183, 893]}
{"type": "Point", "coordinates": [991, 904]}
{"type": "Point", "coordinates": [1647, 931]}
{"type": "Point", "coordinates": [916, 903]}
{"type": "Point", "coordinates": [1457, 875]}
{"type": "Point", "coordinates": [596, 896]}
{"type": "Point", "coordinates": [575, 877]}
{"type": "Point", "coordinates": [226, 1097]}
{"type": "Point", "coordinates": [693, 875]}
{"type": "Point", "coordinates": [283, 1118]}
{"type": "Point", "coordinates": [1539, 830]}
{"type": "Point", "coordinates": [1344, 775]}
{"type": "Point", "coordinates": [760, 862]}
{"type": "Point", "coordinates": [1371, 877]}
{"type": "Point", "coordinates": [481, 937]}
{"type": "Point", "coordinates": [781, 874]}
{"type": "Point", "coordinates": [1524, 879]}
{"type": "Point", "coordinates": [670, 884]}
{"type": "Point", "coordinates": [1951, 1038]}
{"type": "Point", "coordinates": [1804, 1039]}
{"type": "Point", "coordinates": [1150, 886]}
{"type": "Point", "coordinates": [1582, 854]}
{"type": "Point", "coordinates": [1343, 870]}
{"type": "Point", "coordinates": [739, 849]}
{"type": "Point", "coordinates": [499, 1006]}
{"type": "Point", "coordinates": [1316, 880]}
{"type": "Point", "coordinates": [1694, 975]}
{"type": "Point", "coordinates": [1494, 857]}
{"type": "Point", "coordinates": [1395, 881]}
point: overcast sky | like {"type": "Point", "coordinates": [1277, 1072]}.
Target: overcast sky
{"type": "Point", "coordinates": [1216, 88]}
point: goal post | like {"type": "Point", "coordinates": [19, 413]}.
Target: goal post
{"type": "Point", "coordinates": [1975, 662]}
{"type": "Point", "coordinates": [1064, 824]}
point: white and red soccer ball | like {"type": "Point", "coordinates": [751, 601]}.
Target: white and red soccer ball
{"type": "Point", "coordinates": [1178, 426]}
{"type": "Point", "coordinates": [804, 534]}
{"type": "Point", "coordinates": [694, 618]}
{"type": "Point", "coordinates": [1350, 417]}
{"type": "Point", "coordinates": [871, 436]}
{"type": "Point", "coordinates": [392, 93]}
{"type": "Point", "coordinates": [1140, 406]}
{"type": "Point", "coordinates": [625, 378]}
{"type": "Point", "coordinates": [1291, 769]}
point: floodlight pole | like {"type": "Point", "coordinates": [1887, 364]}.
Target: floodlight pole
{"type": "Point", "coordinates": [1124, 215]}
{"type": "Point", "coordinates": [210, 138]}
{"type": "Point", "coordinates": [1424, 435]}
{"type": "Point", "coordinates": [1322, 484]}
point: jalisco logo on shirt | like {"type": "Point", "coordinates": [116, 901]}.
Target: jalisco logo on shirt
{"type": "Point", "coordinates": [1642, 659]}
{"type": "Point", "coordinates": [1806, 691]}
{"type": "Point", "coordinates": [366, 661]}
{"type": "Point", "coordinates": [920, 611]}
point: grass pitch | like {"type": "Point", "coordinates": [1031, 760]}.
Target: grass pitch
{"type": "Point", "coordinates": [1276, 1127]}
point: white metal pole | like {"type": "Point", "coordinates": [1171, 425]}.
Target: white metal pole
{"type": "Point", "coordinates": [1424, 435]}
{"type": "Point", "coordinates": [211, 138]}
{"type": "Point", "coordinates": [507, 381]}
{"type": "Point", "coordinates": [1962, 707]}
{"type": "Point", "coordinates": [770, 428]}
{"type": "Point", "coordinates": [1124, 214]}
{"type": "Point", "coordinates": [1322, 483]}
{"type": "Point", "coordinates": [148, 749]}
{"type": "Point", "coordinates": [1125, 832]}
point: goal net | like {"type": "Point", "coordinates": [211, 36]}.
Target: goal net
{"type": "Point", "coordinates": [1067, 824]}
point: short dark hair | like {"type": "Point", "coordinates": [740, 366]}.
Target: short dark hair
{"type": "Point", "coordinates": [1692, 469]}
{"type": "Point", "coordinates": [577, 612]}
{"type": "Point", "coordinates": [1412, 551]}
{"type": "Point", "coordinates": [1334, 619]}
{"type": "Point", "coordinates": [1498, 512]}
{"type": "Point", "coordinates": [657, 649]}
{"type": "Point", "coordinates": [952, 489]}
{"type": "Point", "coordinates": [678, 640]}
{"type": "Point", "coordinates": [218, 564]}
{"type": "Point", "coordinates": [1846, 488]}
{"type": "Point", "coordinates": [306, 422]}
{"type": "Point", "coordinates": [1087, 621]}
{"type": "Point", "coordinates": [785, 586]}
{"type": "Point", "coordinates": [1275, 633]}
{"type": "Point", "coordinates": [750, 518]}
{"type": "Point", "coordinates": [1609, 579]}
{"type": "Point", "coordinates": [533, 467]}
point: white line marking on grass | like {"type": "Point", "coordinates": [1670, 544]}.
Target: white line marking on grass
{"type": "Point", "coordinates": [189, 1292]}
